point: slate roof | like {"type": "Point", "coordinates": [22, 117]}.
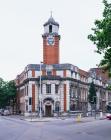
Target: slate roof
{"type": "Point", "coordinates": [65, 66]}
{"type": "Point", "coordinates": [51, 21]}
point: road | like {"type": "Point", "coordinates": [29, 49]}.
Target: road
{"type": "Point", "coordinates": [15, 129]}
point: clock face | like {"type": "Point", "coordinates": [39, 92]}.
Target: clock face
{"type": "Point", "coordinates": [50, 40]}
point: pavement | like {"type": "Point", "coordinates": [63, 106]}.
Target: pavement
{"type": "Point", "coordinates": [77, 119]}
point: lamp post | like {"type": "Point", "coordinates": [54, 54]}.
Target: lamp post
{"type": "Point", "coordinates": [94, 103]}
{"type": "Point", "coordinates": [95, 108]}
{"type": "Point", "coordinates": [78, 96]}
{"type": "Point", "coordinates": [60, 98]}
{"type": "Point", "coordinates": [40, 92]}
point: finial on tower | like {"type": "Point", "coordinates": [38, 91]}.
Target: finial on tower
{"type": "Point", "coordinates": [51, 21]}
{"type": "Point", "coordinates": [51, 14]}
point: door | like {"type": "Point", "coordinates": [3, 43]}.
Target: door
{"type": "Point", "coordinates": [48, 110]}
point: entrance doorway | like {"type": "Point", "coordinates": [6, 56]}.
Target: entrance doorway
{"type": "Point", "coordinates": [48, 111]}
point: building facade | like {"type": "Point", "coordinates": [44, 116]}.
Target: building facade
{"type": "Point", "coordinates": [51, 87]}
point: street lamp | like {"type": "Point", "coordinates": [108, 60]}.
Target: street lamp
{"type": "Point", "coordinates": [60, 84]}
{"type": "Point", "coordinates": [40, 92]}
{"type": "Point", "coordinates": [78, 96]}
{"type": "Point", "coordinates": [94, 103]}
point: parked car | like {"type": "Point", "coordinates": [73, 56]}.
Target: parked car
{"type": "Point", "coordinates": [108, 116]}
{"type": "Point", "coordinates": [1, 110]}
{"type": "Point", "coordinates": [108, 110]}
{"type": "Point", "coordinates": [5, 112]}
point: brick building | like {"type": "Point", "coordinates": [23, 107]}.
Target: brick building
{"type": "Point", "coordinates": [51, 87]}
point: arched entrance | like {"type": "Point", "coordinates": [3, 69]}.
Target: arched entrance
{"type": "Point", "coordinates": [48, 110]}
{"type": "Point", "coordinates": [48, 107]}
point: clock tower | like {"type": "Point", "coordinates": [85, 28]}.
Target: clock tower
{"type": "Point", "coordinates": [51, 42]}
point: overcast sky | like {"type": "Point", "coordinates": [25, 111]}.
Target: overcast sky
{"type": "Point", "coordinates": [21, 29]}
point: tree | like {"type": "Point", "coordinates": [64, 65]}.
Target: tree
{"type": "Point", "coordinates": [11, 92]}
{"type": "Point", "coordinates": [92, 96]}
{"type": "Point", "coordinates": [3, 96]}
{"type": "Point", "coordinates": [7, 93]}
{"type": "Point", "coordinates": [101, 36]}
{"type": "Point", "coordinates": [1, 85]}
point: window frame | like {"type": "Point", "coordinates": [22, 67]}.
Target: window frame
{"type": "Point", "coordinates": [48, 88]}
{"type": "Point", "coordinates": [56, 88]}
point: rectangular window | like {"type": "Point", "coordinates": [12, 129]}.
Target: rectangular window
{"type": "Point", "coordinates": [56, 88]}
{"type": "Point", "coordinates": [49, 73]}
{"type": "Point", "coordinates": [48, 88]}
{"type": "Point", "coordinates": [30, 100]}
{"type": "Point", "coordinates": [72, 94]}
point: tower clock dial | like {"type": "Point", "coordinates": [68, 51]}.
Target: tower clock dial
{"type": "Point", "coordinates": [50, 40]}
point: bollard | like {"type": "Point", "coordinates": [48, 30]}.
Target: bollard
{"type": "Point", "coordinates": [87, 114]}
{"type": "Point", "coordinates": [79, 118]}
{"type": "Point", "coordinates": [101, 115]}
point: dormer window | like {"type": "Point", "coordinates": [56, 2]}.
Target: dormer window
{"type": "Point", "coordinates": [50, 28]}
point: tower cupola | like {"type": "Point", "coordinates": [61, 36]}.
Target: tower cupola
{"type": "Point", "coordinates": [51, 26]}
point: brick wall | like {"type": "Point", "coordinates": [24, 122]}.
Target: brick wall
{"type": "Point", "coordinates": [51, 53]}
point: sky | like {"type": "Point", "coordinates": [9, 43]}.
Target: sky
{"type": "Point", "coordinates": [21, 29]}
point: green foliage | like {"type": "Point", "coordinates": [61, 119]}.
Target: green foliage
{"type": "Point", "coordinates": [92, 94]}
{"type": "Point", "coordinates": [109, 87]}
{"type": "Point", "coordinates": [101, 36]}
{"type": "Point", "coordinates": [7, 93]}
